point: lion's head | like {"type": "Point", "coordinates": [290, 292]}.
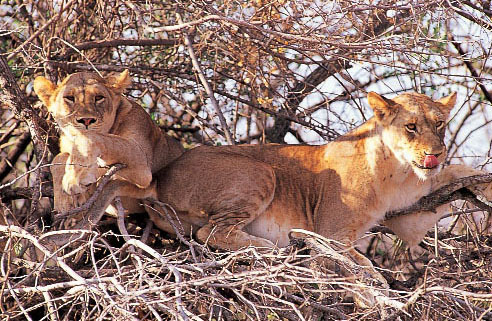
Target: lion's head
{"type": "Point", "coordinates": [413, 127]}
{"type": "Point", "coordinates": [84, 101]}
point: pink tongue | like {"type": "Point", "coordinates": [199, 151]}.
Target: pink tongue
{"type": "Point", "coordinates": [430, 161]}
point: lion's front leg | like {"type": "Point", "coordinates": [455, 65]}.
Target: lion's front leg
{"type": "Point", "coordinates": [412, 227]}
{"type": "Point", "coordinates": [64, 201]}
{"type": "Point", "coordinates": [114, 149]}
{"type": "Point", "coordinates": [81, 169]}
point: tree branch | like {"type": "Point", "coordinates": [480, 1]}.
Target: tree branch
{"type": "Point", "coordinates": [14, 154]}
{"type": "Point", "coordinates": [451, 192]}
{"type": "Point", "coordinates": [297, 94]}
{"type": "Point", "coordinates": [125, 42]}
{"type": "Point", "coordinates": [207, 87]}
{"type": "Point", "coordinates": [9, 194]}
{"type": "Point", "coordinates": [40, 30]}
{"type": "Point", "coordinates": [470, 68]}
{"type": "Point", "coordinates": [15, 99]}
{"type": "Point", "coordinates": [42, 134]}
{"type": "Point", "coordinates": [379, 22]}
{"type": "Point", "coordinates": [119, 42]}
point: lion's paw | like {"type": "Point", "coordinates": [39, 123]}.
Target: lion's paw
{"type": "Point", "coordinates": [88, 177]}
{"type": "Point", "coordinates": [71, 185]}
{"type": "Point", "coordinates": [77, 179]}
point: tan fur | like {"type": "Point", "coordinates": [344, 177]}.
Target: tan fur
{"type": "Point", "coordinates": [235, 196]}
{"type": "Point", "coordinates": [101, 127]}
{"type": "Point", "coordinates": [412, 227]}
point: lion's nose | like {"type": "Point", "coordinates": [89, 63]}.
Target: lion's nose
{"type": "Point", "coordinates": [86, 121]}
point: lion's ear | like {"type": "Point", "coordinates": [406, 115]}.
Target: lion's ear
{"type": "Point", "coordinates": [381, 106]}
{"type": "Point", "coordinates": [448, 102]}
{"type": "Point", "coordinates": [44, 89]}
{"type": "Point", "coordinates": [119, 82]}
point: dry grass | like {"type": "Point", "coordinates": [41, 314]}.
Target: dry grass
{"type": "Point", "coordinates": [113, 279]}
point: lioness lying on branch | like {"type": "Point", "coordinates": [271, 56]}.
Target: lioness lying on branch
{"type": "Point", "coordinates": [99, 127]}
{"type": "Point", "coordinates": [236, 196]}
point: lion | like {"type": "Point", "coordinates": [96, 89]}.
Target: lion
{"type": "Point", "coordinates": [101, 127]}
{"type": "Point", "coordinates": [236, 196]}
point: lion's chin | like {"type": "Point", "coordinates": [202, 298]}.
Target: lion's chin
{"type": "Point", "coordinates": [425, 173]}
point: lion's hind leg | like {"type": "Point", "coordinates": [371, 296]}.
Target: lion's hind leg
{"type": "Point", "coordinates": [232, 211]}
{"type": "Point", "coordinates": [230, 192]}
{"type": "Point", "coordinates": [225, 231]}
{"type": "Point", "coordinates": [239, 203]}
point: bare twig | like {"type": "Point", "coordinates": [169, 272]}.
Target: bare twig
{"type": "Point", "coordinates": [322, 246]}
{"type": "Point", "coordinates": [177, 229]}
{"type": "Point", "coordinates": [125, 42]}
{"type": "Point", "coordinates": [207, 87]}
{"type": "Point", "coordinates": [40, 30]}
{"type": "Point", "coordinates": [121, 219]}
{"type": "Point", "coordinates": [19, 232]}
{"type": "Point", "coordinates": [471, 69]}
{"type": "Point", "coordinates": [15, 99]}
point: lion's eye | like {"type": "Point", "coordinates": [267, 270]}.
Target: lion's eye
{"type": "Point", "coordinates": [439, 124]}
{"type": "Point", "coordinates": [70, 99]}
{"type": "Point", "coordinates": [99, 98]}
{"type": "Point", "coordinates": [411, 128]}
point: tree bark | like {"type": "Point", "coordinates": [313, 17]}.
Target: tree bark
{"type": "Point", "coordinates": [11, 95]}
{"type": "Point", "coordinates": [451, 192]}
{"type": "Point", "coordinates": [14, 154]}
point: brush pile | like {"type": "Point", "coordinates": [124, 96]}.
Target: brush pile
{"type": "Point", "coordinates": [103, 277]}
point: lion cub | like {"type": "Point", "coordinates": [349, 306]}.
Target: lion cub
{"type": "Point", "coordinates": [100, 127]}
{"type": "Point", "coordinates": [236, 196]}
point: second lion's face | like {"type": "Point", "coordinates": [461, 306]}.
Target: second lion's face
{"type": "Point", "coordinates": [413, 128]}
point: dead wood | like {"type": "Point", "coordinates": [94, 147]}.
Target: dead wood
{"type": "Point", "coordinates": [7, 163]}
{"type": "Point", "coordinates": [8, 194]}
{"type": "Point", "coordinates": [42, 133]}
{"type": "Point", "coordinates": [455, 191]}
